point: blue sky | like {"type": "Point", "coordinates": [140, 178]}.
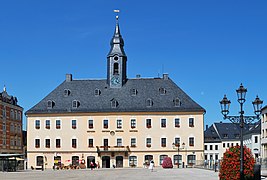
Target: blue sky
{"type": "Point", "coordinates": [208, 47]}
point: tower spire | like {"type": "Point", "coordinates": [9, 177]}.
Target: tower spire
{"type": "Point", "coordinates": [117, 42]}
{"type": "Point", "coordinates": [116, 70]}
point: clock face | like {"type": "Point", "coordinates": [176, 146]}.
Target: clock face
{"type": "Point", "coordinates": [115, 80]}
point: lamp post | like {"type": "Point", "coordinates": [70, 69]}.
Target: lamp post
{"type": "Point", "coordinates": [241, 119]}
{"type": "Point", "coordinates": [178, 149]}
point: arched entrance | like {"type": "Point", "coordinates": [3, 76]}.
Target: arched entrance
{"type": "Point", "coordinates": [89, 160]}
{"type": "Point", "coordinates": [105, 162]}
{"type": "Point", "coordinates": [119, 161]}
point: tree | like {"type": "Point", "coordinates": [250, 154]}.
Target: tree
{"type": "Point", "coordinates": [230, 165]}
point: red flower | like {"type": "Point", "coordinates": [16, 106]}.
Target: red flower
{"type": "Point", "coordinates": [230, 165]}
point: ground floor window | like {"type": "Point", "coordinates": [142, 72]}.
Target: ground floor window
{"type": "Point", "coordinates": [161, 158]}
{"type": "Point", "coordinates": [132, 161]}
{"type": "Point", "coordinates": [191, 159]}
{"type": "Point", "coordinates": [176, 158]}
{"type": "Point", "coordinates": [75, 160]}
{"type": "Point", "coordinates": [148, 158]}
{"type": "Point", "coordinates": [39, 161]}
{"type": "Point", "coordinates": [57, 160]}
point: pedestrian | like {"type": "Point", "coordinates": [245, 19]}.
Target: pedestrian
{"type": "Point", "coordinates": [92, 165]}
{"type": "Point", "coordinates": [151, 165]}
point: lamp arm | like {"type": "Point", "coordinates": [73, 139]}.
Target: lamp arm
{"type": "Point", "coordinates": [247, 119]}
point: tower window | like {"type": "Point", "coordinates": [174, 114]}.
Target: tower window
{"type": "Point", "coordinates": [116, 58]}
{"type": "Point", "coordinates": [116, 69]}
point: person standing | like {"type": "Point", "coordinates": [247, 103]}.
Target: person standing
{"type": "Point", "coordinates": [151, 165]}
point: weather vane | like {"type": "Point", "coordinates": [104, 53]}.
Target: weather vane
{"type": "Point", "coordinates": [117, 13]}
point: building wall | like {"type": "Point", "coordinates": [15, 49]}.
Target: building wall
{"type": "Point", "coordinates": [264, 133]}
{"type": "Point", "coordinates": [10, 128]}
{"type": "Point", "coordinates": [222, 147]}
{"type": "Point", "coordinates": [82, 133]}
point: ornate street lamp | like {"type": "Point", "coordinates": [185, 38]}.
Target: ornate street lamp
{"type": "Point", "coordinates": [178, 149]}
{"type": "Point", "coordinates": [241, 119]}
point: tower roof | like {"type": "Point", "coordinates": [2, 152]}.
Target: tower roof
{"type": "Point", "coordinates": [117, 42]}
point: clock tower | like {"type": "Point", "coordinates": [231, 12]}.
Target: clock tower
{"type": "Point", "coordinates": [116, 60]}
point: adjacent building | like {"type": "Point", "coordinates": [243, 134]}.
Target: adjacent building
{"type": "Point", "coordinates": [10, 124]}
{"type": "Point", "coordinates": [264, 133]}
{"type": "Point", "coordinates": [116, 121]}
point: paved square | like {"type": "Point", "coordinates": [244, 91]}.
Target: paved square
{"type": "Point", "coordinates": [115, 174]}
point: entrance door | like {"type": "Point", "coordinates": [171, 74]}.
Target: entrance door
{"type": "Point", "coordinates": [105, 162]}
{"type": "Point", "coordinates": [89, 160]}
{"type": "Point", "coordinates": [119, 161]}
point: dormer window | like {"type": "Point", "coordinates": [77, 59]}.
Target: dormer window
{"type": "Point", "coordinates": [97, 92]}
{"type": "Point", "coordinates": [177, 102]}
{"type": "Point", "coordinates": [114, 103]}
{"type": "Point", "coordinates": [149, 102]}
{"type": "Point", "coordinates": [50, 104]}
{"type": "Point", "coordinates": [75, 104]}
{"type": "Point", "coordinates": [162, 91]}
{"type": "Point", "coordinates": [225, 135]}
{"type": "Point", "coordinates": [133, 92]}
{"type": "Point", "coordinates": [66, 92]}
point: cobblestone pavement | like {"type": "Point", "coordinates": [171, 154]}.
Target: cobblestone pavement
{"type": "Point", "coordinates": [110, 174]}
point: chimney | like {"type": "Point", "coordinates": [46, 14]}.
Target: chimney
{"type": "Point", "coordinates": [207, 126]}
{"type": "Point", "coordinates": [68, 77]}
{"type": "Point", "coordinates": [165, 76]}
{"type": "Point", "coordinates": [138, 76]}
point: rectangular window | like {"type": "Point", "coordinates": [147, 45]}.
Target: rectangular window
{"type": "Point", "coordinates": [90, 142]}
{"type": "Point", "coordinates": [74, 124]}
{"type": "Point", "coordinates": [163, 142]}
{"type": "Point", "coordinates": [148, 123]}
{"type": "Point", "coordinates": [133, 123]}
{"type": "Point", "coordinates": [177, 122]}
{"type": "Point", "coordinates": [37, 143]}
{"type": "Point", "coordinates": [177, 142]}
{"type": "Point", "coordinates": [74, 143]}
{"type": "Point", "coordinates": [211, 157]}
{"type": "Point", "coordinates": [191, 141]}
{"type": "Point", "coordinates": [105, 124]}
{"type": "Point", "coordinates": [148, 142]}
{"type": "Point", "coordinates": [47, 143]}
{"type": "Point", "coordinates": [105, 143]}
{"type": "Point", "coordinates": [210, 147]}
{"type": "Point", "coordinates": [216, 147]}
{"type": "Point", "coordinates": [216, 156]}
{"type": "Point", "coordinates": [119, 123]}
{"type": "Point", "coordinates": [37, 124]}
{"type": "Point", "coordinates": [163, 123]}
{"type": "Point", "coordinates": [90, 124]}
{"type": "Point", "coordinates": [206, 147]}
{"type": "Point", "coordinates": [206, 157]}
{"type": "Point", "coordinates": [119, 142]}
{"type": "Point", "coordinates": [58, 144]}
{"type": "Point", "coordinates": [256, 139]}
{"type": "Point", "coordinates": [39, 160]}
{"type": "Point", "coordinates": [191, 122]}
{"type": "Point", "coordinates": [133, 142]}
{"type": "Point", "coordinates": [223, 145]}
{"type": "Point", "coordinates": [47, 124]}
{"type": "Point", "coordinates": [58, 124]}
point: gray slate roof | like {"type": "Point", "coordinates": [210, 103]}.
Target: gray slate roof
{"type": "Point", "coordinates": [83, 91]}
{"type": "Point", "coordinates": [218, 131]}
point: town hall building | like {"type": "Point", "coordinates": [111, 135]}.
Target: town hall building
{"type": "Point", "coordinates": [116, 121]}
